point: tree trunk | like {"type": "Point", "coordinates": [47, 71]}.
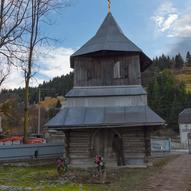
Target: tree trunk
{"type": "Point", "coordinates": [26, 110]}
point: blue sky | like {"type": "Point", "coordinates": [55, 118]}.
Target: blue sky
{"type": "Point", "coordinates": [79, 22]}
{"type": "Point", "coordinates": [156, 26]}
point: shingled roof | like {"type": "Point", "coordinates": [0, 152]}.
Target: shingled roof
{"type": "Point", "coordinates": [185, 116]}
{"type": "Point", "coordinates": [110, 37]}
{"type": "Point", "coordinates": [106, 91]}
{"type": "Point", "coordinates": [91, 117]}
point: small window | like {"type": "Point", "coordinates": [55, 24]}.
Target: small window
{"type": "Point", "coordinates": [116, 70]}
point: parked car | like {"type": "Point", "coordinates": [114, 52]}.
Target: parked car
{"type": "Point", "coordinates": [34, 135]}
{"type": "Point", "coordinates": [15, 140]}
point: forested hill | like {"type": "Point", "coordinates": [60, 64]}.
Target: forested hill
{"type": "Point", "coordinates": [61, 85]}
{"type": "Point", "coordinates": [58, 86]}
{"type": "Point", "coordinates": [178, 65]}
{"type": "Point", "coordinates": [168, 83]}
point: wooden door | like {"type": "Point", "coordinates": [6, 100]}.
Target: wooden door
{"type": "Point", "coordinates": [98, 143]}
{"type": "Point", "coordinates": [102, 141]}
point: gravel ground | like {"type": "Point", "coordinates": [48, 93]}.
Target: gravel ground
{"type": "Point", "coordinates": [175, 176]}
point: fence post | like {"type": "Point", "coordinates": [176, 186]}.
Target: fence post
{"type": "Point", "coordinates": [189, 143]}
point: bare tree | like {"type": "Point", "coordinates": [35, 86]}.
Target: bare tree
{"type": "Point", "coordinates": [4, 72]}
{"type": "Point", "coordinates": [20, 36]}
{"type": "Point", "coordinates": [38, 13]}
{"type": "Point", "coordinates": [12, 27]}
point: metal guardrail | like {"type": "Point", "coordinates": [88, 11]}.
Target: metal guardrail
{"type": "Point", "coordinates": [24, 152]}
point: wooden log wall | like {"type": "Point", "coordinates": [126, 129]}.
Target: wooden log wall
{"type": "Point", "coordinates": [79, 147]}
{"type": "Point", "coordinates": [133, 145]}
{"type": "Point", "coordinates": [147, 136]}
{"type": "Point", "coordinates": [98, 71]}
{"type": "Point", "coordinates": [136, 146]}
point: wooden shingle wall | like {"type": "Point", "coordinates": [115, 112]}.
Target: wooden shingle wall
{"type": "Point", "coordinates": [99, 71]}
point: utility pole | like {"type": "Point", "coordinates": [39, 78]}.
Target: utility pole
{"type": "Point", "coordinates": [39, 109]}
{"type": "Point", "coordinates": [39, 95]}
{"type": "Point", "coordinates": [1, 130]}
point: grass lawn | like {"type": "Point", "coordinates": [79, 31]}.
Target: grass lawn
{"type": "Point", "coordinates": [45, 178]}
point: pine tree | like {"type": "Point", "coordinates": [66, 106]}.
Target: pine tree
{"type": "Point", "coordinates": [188, 59]}
{"type": "Point", "coordinates": [179, 62]}
{"type": "Point", "coordinates": [168, 97]}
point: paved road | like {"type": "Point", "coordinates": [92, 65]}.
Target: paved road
{"type": "Point", "coordinates": [176, 176]}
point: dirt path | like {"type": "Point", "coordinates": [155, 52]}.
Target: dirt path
{"type": "Point", "coordinates": [176, 176]}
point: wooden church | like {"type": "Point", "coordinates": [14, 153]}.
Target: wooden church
{"type": "Point", "coordinates": [106, 112]}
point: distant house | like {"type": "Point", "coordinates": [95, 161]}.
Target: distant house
{"type": "Point", "coordinates": [185, 125]}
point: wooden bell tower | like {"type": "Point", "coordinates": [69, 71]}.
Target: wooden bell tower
{"type": "Point", "coordinates": [106, 112]}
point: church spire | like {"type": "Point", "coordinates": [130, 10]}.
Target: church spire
{"type": "Point", "coordinates": [109, 6]}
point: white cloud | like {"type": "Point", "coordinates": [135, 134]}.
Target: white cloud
{"type": "Point", "coordinates": [171, 21]}
{"type": "Point", "coordinates": [50, 62]}
{"type": "Point", "coordinates": [182, 27]}
{"type": "Point", "coordinates": [54, 61]}
{"type": "Point", "coordinates": [14, 80]}
{"type": "Point", "coordinates": [166, 8]}
{"type": "Point", "coordinates": [165, 16]}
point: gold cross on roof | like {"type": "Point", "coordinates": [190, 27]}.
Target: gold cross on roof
{"type": "Point", "coordinates": [109, 6]}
